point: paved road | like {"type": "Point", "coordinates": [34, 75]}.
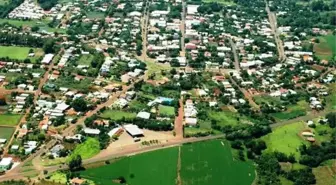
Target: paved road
{"type": "Point", "coordinates": [182, 27]}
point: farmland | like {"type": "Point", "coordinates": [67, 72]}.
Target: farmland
{"type": "Point", "coordinates": [325, 174]}
{"type": "Point", "coordinates": [211, 162]}
{"type": "Point", "coordinates": [293, 111]}
{"type": "Point", "coordinates": [117, 114]}
{"type": "Point", "coordinates": [87, 149]}
{"type": "Point", "coordinates": [160, 167]}
{"type": "Point", "coordinates": [9, 119]}
{"type": "Point", "coordinates": [154, 168]}
{"type": "Point", "coordinates": [6, 132]}
{"type": "Point", "coordinates": [326, 47]}
{"type": "Point", "coordinates": [20, 53]}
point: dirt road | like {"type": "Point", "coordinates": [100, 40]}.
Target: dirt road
{"type": "Point", "coordinates": [235, 55]}
{"type": "Point", "coordinates": [178, 125]}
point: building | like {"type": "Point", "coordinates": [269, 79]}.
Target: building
{"type": "Point", "coordinates": [6, 163]}
{"type": "Point", "coordinates": [77, 181]}
{"type": "Point", "coordinates": [133, 130]}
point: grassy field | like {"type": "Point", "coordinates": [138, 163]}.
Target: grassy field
{"type": "Point", "coordinates": [326, 48]}
{"type": "Point", "coordinates": [224, 2]}
{"type": "Point", "coordinates": [20, 53]}
{"type": "Point", "coordinates": [155, 68]}
{"type": "Point", "coordinates": [85, 60]}
{"type": "Point", "coordinates": [259, 99]}
{"type": "Point", "coordinates": [331, 99]}
{"type": "Point", "coordinates": [292, 111]}
{"type": "Point", "coordinates": [6, 132]}
{"type": "Point", "coordinates": [42, 24]}
{"type": "Point", "coordinates": [95, 15]}
{"type": "Point", "coordinates": [58, 177]}
{"type": "Point", "coordinates": [211, 162]}
{"type": "Point", "coordinates": [87, 149]}
{"type": "Point", "coordinates": [117, 114]}
{"type": "Point", "coordinates": [286, 139]}
{"type": "Point", "coordinates": [223, 118]}
{"type": "Point", "coordinates": [9, 119]}
{"type": "Point", "coordinates": [152, 168]}
{"type": "Point", "coordinates": [68, 82]}
{"type": "Point", "coordinates": [166, 111]}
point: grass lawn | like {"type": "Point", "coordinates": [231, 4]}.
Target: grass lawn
{"type": "Point", "coordinates": [20, 53]}
{"type": "Point", "coordinates": [286, 139]}
{"type": "Point", "coordinates": [117, 114]}
{"type": "Point", "coordinates": [223, 117]}
{"type": "Point", "coordinates": [68, 82]}
{"type": "Point", "coordinates": [87, 149]}
{"type": "Point", "coordinates": [6, 132]}
{"type": "Point", "coordinates": [85, 60]}
{"type": "Point", "coordinates": [9, 119]}
{"type": "Point", "coordinates": [259, 99]}
{"type": "Point", "coordinates": [293, 111]}
{"type": "Point", "coordinates": [152, 168]}
{"type": "Point", "coordinates": [155, 68]}
{"type": "Point", "coordinates": [58, 177]}
{"type": "Point", "coordinates": [95, 15]}
{"type": "Point", "coordinates": [166, 111]}
{"type": "Point", "coordinates": [211, 162]}
{"type": "Point", "coordinates": [224, 2]}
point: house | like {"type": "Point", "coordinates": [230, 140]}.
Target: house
{"type": "Point", "coordinates": [143, 115]}
{"type": "Point", "coordinates": [91, 131]}
{"type": "Point", "coordinates": [55, 151]}
{"type": "Point", "coordinates": [77, 181]}
{"type": "Point", "coordinates": [191, 121]}
{"type": "Point", "coordinates": [6, 163]}
{"type": "Point", "coordinates": [133, 130]}
{"type": "Point", "coordinates": [30, 146]}
{"type": "Point", "coordinates": [115, 132]}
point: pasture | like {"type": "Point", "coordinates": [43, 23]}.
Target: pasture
{"type": "Point", "coordinates": [6, 132]}
{"type": "Point", "coordinates": [42, 24]}
{"type": "Point", "coordinates": [152, 168]}
{"type": "Point", "coordinates": [20, 53]}
{"type": "Point", "coordinates": [117, 114]}
{"type": "Point", "coordinates": [223, 117]}
{"type": "Point", "coordinates": [9, 119]}
{"type": "Point", "coordinates": [286, 139]}
{"type": "Point", "coordinates": [211, 162]}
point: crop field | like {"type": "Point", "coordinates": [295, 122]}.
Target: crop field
{"type": "Point", "coordinates": [166, 111]}
{"type": "Point", "coordinates": [223, 118]}
{"type": "Point", "coordinates": [9, 119]}
{"type": "Point", "coordinates": [6, 132]}
{"type": "Point", "coordinates": [87, 149]}
{"type": "Point", "coordinates": [286, 139]}
{"type": "Point", "coordinates": [20, 53]}
{"type": "Point", "coordinates": [152, 168]}
{"type": "Point", "coordinates": [117, 114]}
{"type": "Point", "coordinates": [203, 163]}
{"type": "Point", "coordinates": [293, 111]}
{"type": "Point", "coordinates": [211, 162]}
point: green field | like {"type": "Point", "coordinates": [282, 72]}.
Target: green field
{"type": "Point", "coordinates": [325, 174]}
{"type": "Point", "coordinates": [224, 2]}
{"type": "Point", "coordinates": [166, 111]}
{"type": "Point", "coordinates": [95, 15]}
{"type": "Point", "coordinates": [85, 60]}
{"type": "Point", "coordinates": [331, 98]}
{"type": "Point", "coordinates": [326, 48]}
{"type": "Point", "coordinates": [6, 132]}
{"type": "Point", "coordinates": [293, 111]}
{"type": "Point", "coordinates": [87, 149]}
{"type": "Point", "coordinates": [9, 119]}
{"type": "Point", "coordinates": [260, 99]}
{"type": "Point", "coordinates": [286, 139]}
{"type": "Point", "coordinates": [223, 118]}
{"type": "Point", "coordinates": [152, 168]}
{"type": "Point", "coordinates": [20, 53]}
{"type": "Point", "coordinates": [117, 114]}
{"type": "Point", "coordinates": [203, 163]}
{"type": "Point", "coordinates": [42, 24]}
{"type": "Point", "coordinates": [211, 162]}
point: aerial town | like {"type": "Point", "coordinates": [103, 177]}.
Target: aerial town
{"type": "Point", "coordinates": [169, 92]}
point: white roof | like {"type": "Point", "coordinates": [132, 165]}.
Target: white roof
{"type": "Point", "coordinates": [143, 115]}
{"type": "Point", "coordinates": [6, 161]}
{"type": "Point", "coordinates": [113, 131]}
{"type": "Point", "coordinates": [133, 130]}
{"type": "Point", "coordinates": [91, 131]}
{"type": "Point", "coordinates": [47, 58]}
{"type": "Point", "coordinates": [191, 121]}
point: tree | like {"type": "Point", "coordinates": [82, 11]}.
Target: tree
{"type": "Point", "coordinates": [79, 104]}
{"type": "Point", "coordinates": [48, 46]}
{"type": "Point", "coordinates": [75, 163]}
{"type": "Point", "coordinates": [331, 119]}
